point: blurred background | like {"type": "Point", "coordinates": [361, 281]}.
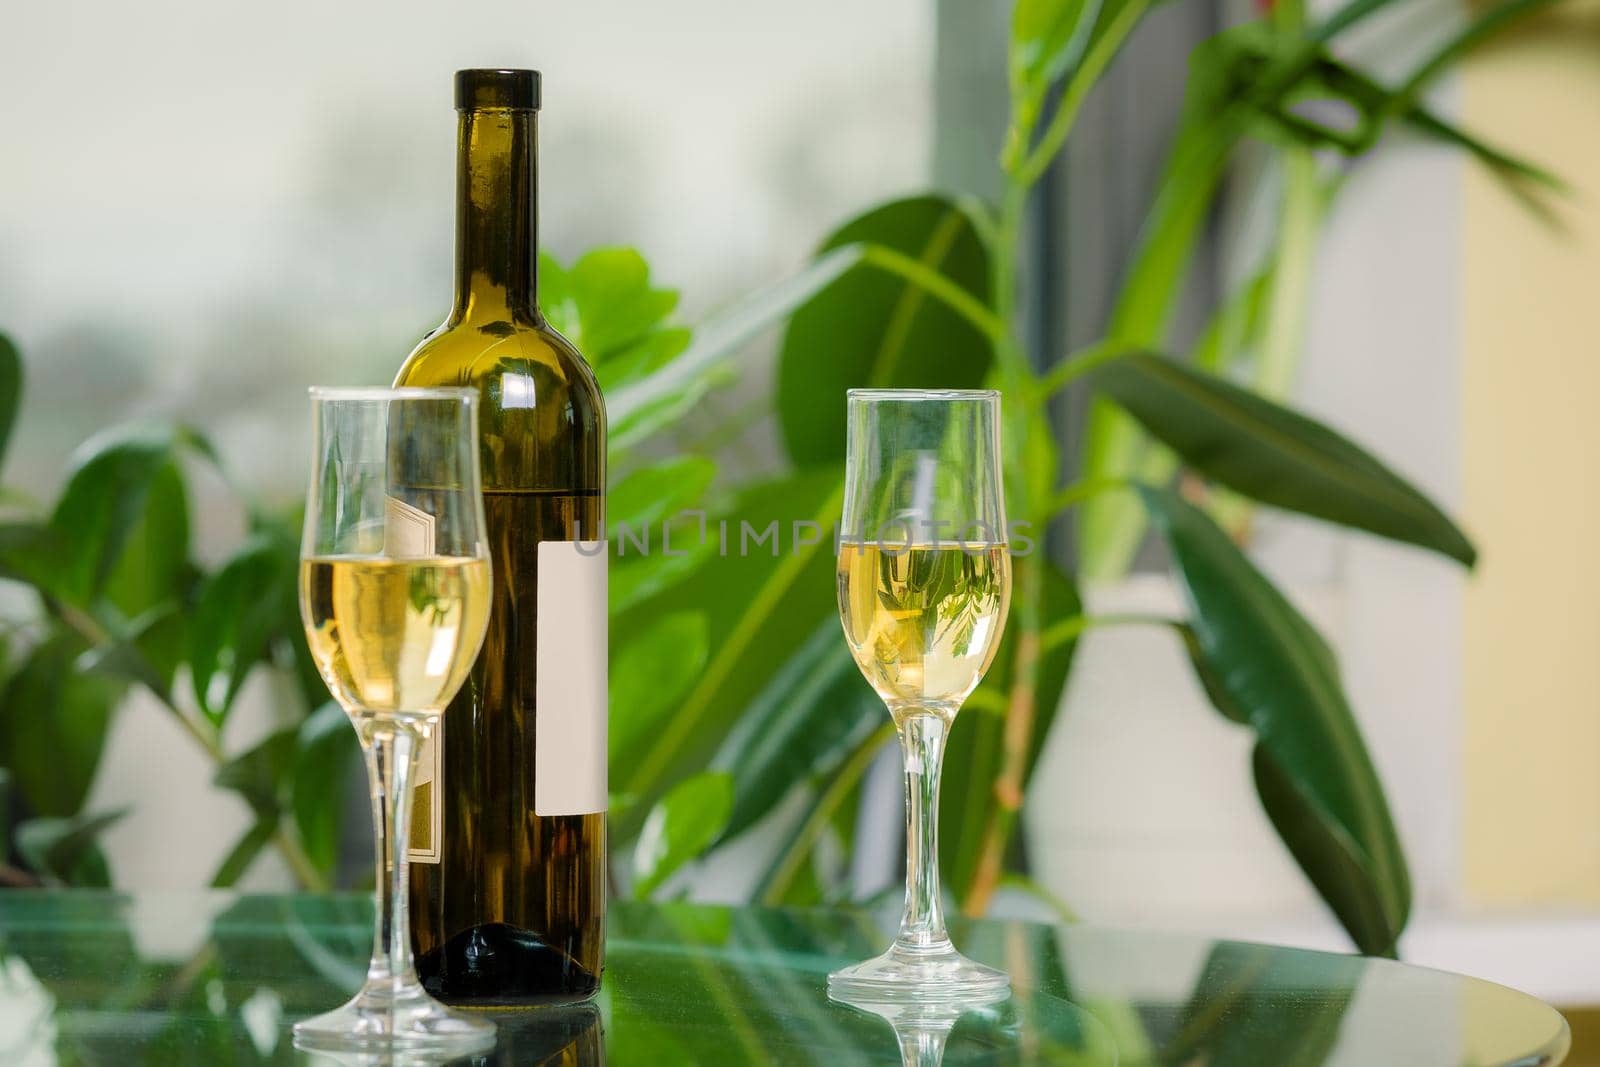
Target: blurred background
{"type": "Point", "coordinates": [206, 208]}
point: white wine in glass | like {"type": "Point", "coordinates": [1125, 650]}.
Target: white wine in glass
{"type": "Point", "coordinates": [391, 636]}
{"type": "Point", "coordinates": [394, 595]}
{"type": "Point", "coordinates": [924, 585]}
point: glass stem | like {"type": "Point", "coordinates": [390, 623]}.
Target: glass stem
{"type": "Point", "coordinates": [391, 752]}
{"type": "Point", "coordinates": [922, 735]}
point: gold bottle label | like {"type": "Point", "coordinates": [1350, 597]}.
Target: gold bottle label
{"type": "Point", "coordinates": [425, 797]}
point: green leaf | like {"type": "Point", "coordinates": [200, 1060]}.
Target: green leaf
{"type": "Point", "coordinates": [975, 752]}
{"type": "Point", "coordinates": [686, 820]}
{"type": "Point", "coordinates": [604, 303]}
{"type": "Point", "coordinates": [240, 609]}
{"type": "Point", "coordinates": [872, 328]}
{"type": "Point", "coordinates": [1276, 455]}
{"type": "Point", "coordinates": [761, 601]}
{"type": "Point", "coordinates": [64, 851]}
{"type": "Point", "coordinates": [815, 711]}
{"type": "Point", "coordinates": [326, 761]}
{"type": "Point", "coordinates": [650, 674]}
{"type": "Point", "coordinates": [259, 774]}
{"type": "Point", "coordinates": [650, 496]}
{"type": "Point", "coordinates": [54, 726]}
{"type": "Point", "coordinates": [1276, 673]}
{"type": "Point", "coordinates": [1048, 38]}
{"type": "Point", "coordinates": [1485, 25]}
{"type": "Point", "coordinates": [133, 654]}
{"type": "Point", "coordinates": [643, 358]}
{"type": "Point", "coordinates": [244, 853]}
{"type": "Point", "coordinates": [638, 579]}
{"type": "Point", "coordinates": [153, 569]}
{"type": "Point", "coordinates": [10, 390]}
{"type": "Point", "coordinates": [111, 484]}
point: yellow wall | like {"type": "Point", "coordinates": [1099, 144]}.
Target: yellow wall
{"type": "Point", "coordinates": [1531, 466]}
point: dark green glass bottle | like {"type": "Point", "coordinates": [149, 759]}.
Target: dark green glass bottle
{"type": "Point", "coordinates": [508, 863]}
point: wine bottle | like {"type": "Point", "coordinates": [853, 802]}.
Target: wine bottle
{"type": "Point", "coordinates": [508, 856]}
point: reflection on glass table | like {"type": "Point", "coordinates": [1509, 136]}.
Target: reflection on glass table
{"type": "Point", "coordinates": [211, 978]}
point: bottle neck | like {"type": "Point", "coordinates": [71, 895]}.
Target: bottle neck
{"type": "Point", "coordinates": [496, 215]}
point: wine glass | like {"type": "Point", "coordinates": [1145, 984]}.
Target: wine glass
{"type": "Point", "coordinates": [394, 595]}
{"type": "Point", "coordinates": [924, 583]}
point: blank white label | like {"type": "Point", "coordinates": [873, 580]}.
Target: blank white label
{"type": "Point", "coordinates": [570, 673]}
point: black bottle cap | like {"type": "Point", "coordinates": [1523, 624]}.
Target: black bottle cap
{"type": "Point", "coordinates": [497, 88]}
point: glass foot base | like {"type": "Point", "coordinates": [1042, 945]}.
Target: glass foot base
{"type": "Point", "coordinates": [388, 1020]}
{"type": "Point", "coordinates": [937, 972]}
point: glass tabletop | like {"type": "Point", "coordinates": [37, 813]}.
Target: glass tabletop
{"type": "Point", "coordinates": [214, 978]}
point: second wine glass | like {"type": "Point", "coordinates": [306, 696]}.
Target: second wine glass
{"type": "Point", "coordinates": [924, 583]}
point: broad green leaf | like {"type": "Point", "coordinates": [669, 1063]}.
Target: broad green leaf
{"type": "Point", "coordinates": [259, 774]}
{"type": "Point", "coordinates": [152, 583]}
{"type": "Point", "coordinates": [643, 358]}
{"type": "Point", "coordinates": [679, 827]}
{"type": "Point", "coordinates": [64, 851]}
{"type": "Point", "coordinates": [651, 673]}
{"type": "Point", "coordinates": [815, 710]}
{"type": "Point", "coordinates": [10, 390]}
{"type": "Point", "coordinates": [761, 601]}
{"type": "Point", "coordinates": [54, 726]}
{"type": "Point", "coordinates": [240, 609]}
{"type": "Point", "coordinates": [872, 328]}
{"type": "Point", "coordinates": [975, 753]}
{"type": "Point", "coordinates": [1240, 1012]}
{"type": "Point", "coordinates": [154, 569]}
{"type": "Point", "coordinates": [327, 761]}
{"type": "Point", "coordinates": [604, 303]}
{"type": "Point", "coordinates": [106, 495]}
{"type": "Point", "coordinates": [1275, 455]}
{"type": "Point", "coordinates": [1335, 863]}
{"type": "Point", "coordinates": [1276, 673]}
{"type": "Point", "coordinates": [244, 852]}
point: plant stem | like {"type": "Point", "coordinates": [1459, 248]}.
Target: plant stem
{"type": "Point", "coordinates": [1083, 80]}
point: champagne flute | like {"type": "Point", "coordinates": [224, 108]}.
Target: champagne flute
{"type": "Point", "coordinates": [924, 583]}
{"type": "Point", "coordinates": [394, 594]}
